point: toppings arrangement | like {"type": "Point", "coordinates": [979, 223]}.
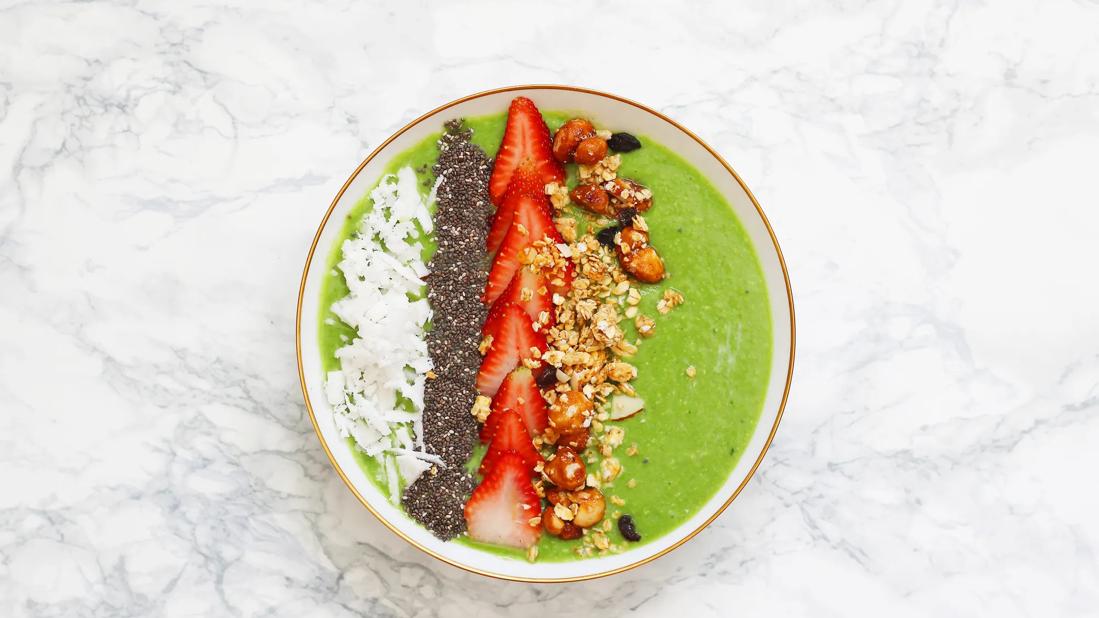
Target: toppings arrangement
{"type": "Point", "coordinates": [553, 373]}
{"type": "Point", "coordinates": [516, 339]}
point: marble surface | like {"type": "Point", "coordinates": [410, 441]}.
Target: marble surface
{"type": "Point", "coordinates": [929, 168]}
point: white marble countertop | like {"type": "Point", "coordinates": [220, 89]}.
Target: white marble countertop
{"type": "Point", "coordinates": [930, 169]}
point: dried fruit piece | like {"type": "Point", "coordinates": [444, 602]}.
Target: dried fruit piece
{"type": "Point", "coordinates": [546, 376]}
{"type": "Point", "coordinates": [590, 151]}
{"type": "Point", "coordinates": [623, 142]}
{"type": "Point", "coordinates": [565, 469]}
{"type": "Point", "coordinates": [593, 198]}
{"type": "Point", "coordinates": [628, 529]}
{"type": "Point", "coordinates": [569, 136]}
{"type": "Point", "coordinates": [606, 236]}
{"type": "Point", "coordinates": [626, 215]}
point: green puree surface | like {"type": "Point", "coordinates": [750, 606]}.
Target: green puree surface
{"type": "Point", "coordinates": [692, 431]}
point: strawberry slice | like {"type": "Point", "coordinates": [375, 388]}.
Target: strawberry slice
{"type": "Point", "coordinates": [520, 393]}
{"type": "Point", "coordinates": [526, 283]}
{"type": "Point", "coordinates": [501, 507]}
{"type": "Point", "coordinates": [524, 181]}
{"type": "Point", "coordinates": [530, 223]}
{"type": "Point", "coordinates": [510, 437]}
{"type": "Point", "coordinates": [489, 428]}
{"type": "Point", "coordinates": [512, 341]}
{"type": "Point", "coordinates": [526, 140]}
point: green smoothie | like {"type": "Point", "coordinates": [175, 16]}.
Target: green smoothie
{"type": "Point", "coordinates": [693, 430]}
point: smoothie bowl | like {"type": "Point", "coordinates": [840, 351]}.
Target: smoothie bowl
{"type": "Point", "coordinates": [545, 334]}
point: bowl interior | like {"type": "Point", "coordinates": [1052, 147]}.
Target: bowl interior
{"type": "Point", "coordinates": [604, 110]}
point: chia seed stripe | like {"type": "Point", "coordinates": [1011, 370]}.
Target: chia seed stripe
{"type": "Point", "coordinates": [458, 274]}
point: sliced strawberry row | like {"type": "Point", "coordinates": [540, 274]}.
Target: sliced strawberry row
{"type": "Point", "coordinates": [526, 142]}
{"type": "Point", "coordinates": [501, 507]}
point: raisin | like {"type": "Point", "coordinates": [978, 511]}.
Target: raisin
{"type": "Point", "coordinates": [626, 215]}
{"type": "Point", "coordinates": [626, 527]}
{"type": "Point", "coordinates": [547, 376]}
{"type": "Point", "coordinates": [606, 236]}
{"type": "Point", "coordinates": [623, 142]}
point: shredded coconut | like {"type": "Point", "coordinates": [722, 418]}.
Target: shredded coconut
{"type": "Point", "coordinates": [377, 396]}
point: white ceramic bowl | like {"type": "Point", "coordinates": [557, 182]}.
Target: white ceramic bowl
{"type": "Point", "coordinates": [603, 109]}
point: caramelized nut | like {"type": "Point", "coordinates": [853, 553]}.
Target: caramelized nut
{"type": "Point", "coordinates": [630, 193]}
{"type": "Point", "coordinates": [565, 469]}
{"type": "Point", "coordinates": [645, 265]}
{"type": "Point", "coordinates": [590, 151]}
{"type": "Point", "coordinates": [569, 136]}
{"type": "Point", "coordinates": [593, 198]}
{"type": "Point", "coordinates": [557, 496]}
{"type": "Point", "coordinates": [571, 412]}
{"type": "Point", "coordinates": [631, 239]}
{"type": "Point", "coordinates": [571, 531]}
{"type": "Point", "coordinates": [637, 257]}
{"type": "Point", "coordinates": [574, 439]}
{"type": "Point", "coordinates": [591, 507]}
{"type": "Point", "coordinates": [551, 523]}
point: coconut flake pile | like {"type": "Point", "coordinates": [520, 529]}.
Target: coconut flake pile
{"type": "Point", "coordinates": [377, 396]}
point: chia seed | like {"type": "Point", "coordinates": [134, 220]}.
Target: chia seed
{"type": "Point", "coordinates": [458, 274]}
